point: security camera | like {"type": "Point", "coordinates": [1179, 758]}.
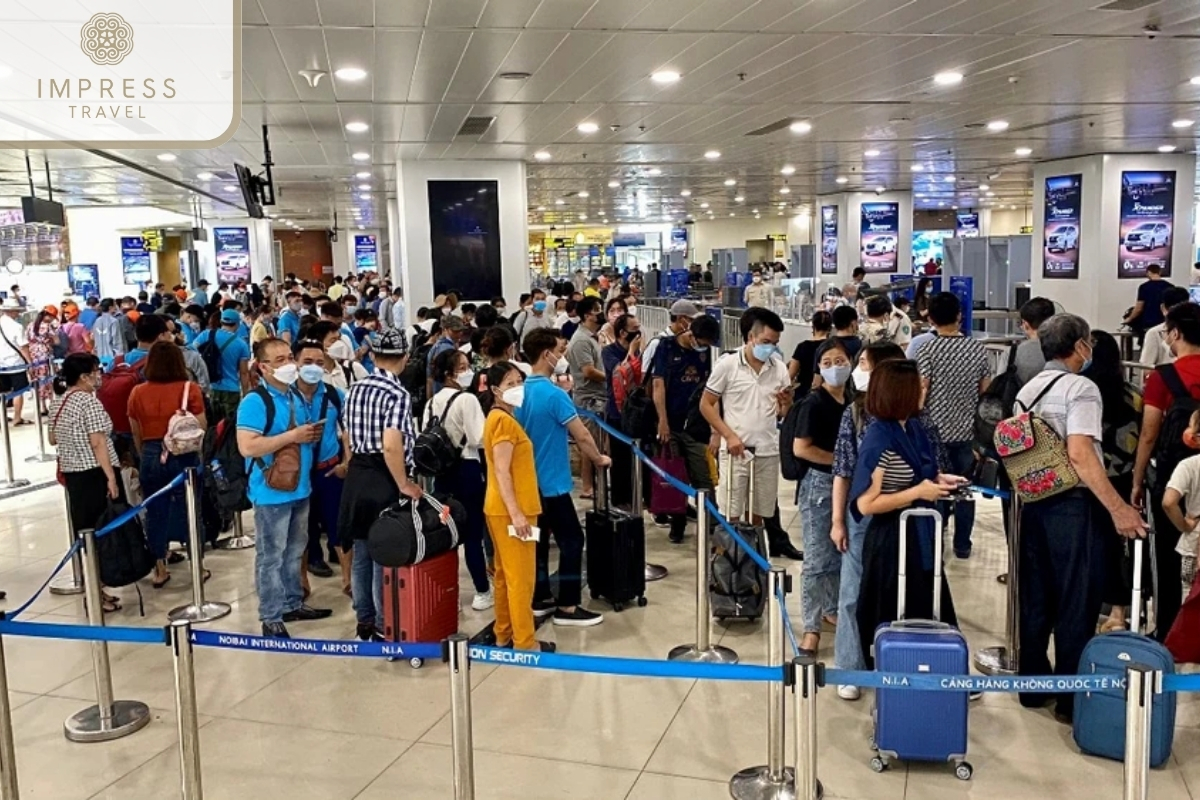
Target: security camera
{"type": "Point", "coordinates": [1151, 30]}
{"type": "Point", "coordinates": [878, 190]}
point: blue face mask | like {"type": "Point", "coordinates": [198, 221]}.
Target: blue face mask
{"type": "Point", "coordinates": [763, 352]}
{"type": "Point", "coordinates": [539, 306]}
{"type": "Point", "coordinates": [1087, 364]}
{"type": "Point", "coordinates": [312, 374]}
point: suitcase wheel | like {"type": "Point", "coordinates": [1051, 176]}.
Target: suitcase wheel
{"type": "Point", "coordinates": [963, 771]}
{"type": "Point", "coordinates": [618, 607]}
{"type": "Point", "coordinates": [416, 663]}
{"type": "Point", "coordinates": [642, 602]}
{"type": "Point", "coordinates": [879, 764]}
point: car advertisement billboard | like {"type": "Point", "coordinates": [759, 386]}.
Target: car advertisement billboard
{"type": "Point", "coordinates": [233, 254]}
{"type": "Point", "coordinates": [366, 253]}
{"type": "Point", "coordinates": [135, 260]}
{"type": "Point", "coordinates": [1147, 223]}
{"type": "Point", "coordinates": [967, 225]}
{"type": "Point", "coordinates": [880, 236]}
{"type": "Point", "coordinates": [1060, 243]}
{"type": "Point", "coordinates": [829, 240]}
{"type": "Point", "coordinates": [84, 280]}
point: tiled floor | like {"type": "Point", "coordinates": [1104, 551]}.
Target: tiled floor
{"type": "Point", "coordinates": [294, 728]}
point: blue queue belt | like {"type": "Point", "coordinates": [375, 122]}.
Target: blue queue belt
{"type": "Point", "coordinates": [86, 633]}
{"type": "Point", "coordinates": [634, 667]}
{"type": "Point", "coordinates": [318, 647]}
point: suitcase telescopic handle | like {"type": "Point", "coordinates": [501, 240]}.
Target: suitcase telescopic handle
{"type": "Point", "coordinates": [902, 592]}
{"type": "Point", "coordinates": [731, 461]}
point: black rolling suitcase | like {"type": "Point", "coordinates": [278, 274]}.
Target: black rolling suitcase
{"type": "Point", "coordinates": [616, 552]}
{"type": "Point", "coordinates": [737, 587]}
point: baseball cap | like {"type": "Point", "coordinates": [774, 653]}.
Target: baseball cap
{"type": "Point", "coordinates": [392, 343]}
{"type": "Point", "coordinates": [685, 308]}
{"type": "Point", "coordinates": [230, 317]}
{"type": "Point", "coordinates": [202, 282]}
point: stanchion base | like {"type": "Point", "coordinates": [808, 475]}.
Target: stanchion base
{"type": "Point", "coordinates": [19, 483]}
{"type": "Point", "coordinates": [243, 542]}
{"type": "Point", "coordinates": [128, 716]}
{"type": "Point", "coordinates": [755, 783]}
{"type": "Point", "coordinates": [202, 613]}
{"type": "Point", "coordinates": [41, 458]}
{"type": "Point", "coordinates": [66, 586]}
{"type": "Point", "coordinates": [655, 572]}
{"type": "Point", "coordinates": [995, 661]}
{"type": "Point", "coordinates": [713, 655]}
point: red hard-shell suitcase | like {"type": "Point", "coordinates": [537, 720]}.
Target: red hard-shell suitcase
{"type": "Point", "coordinates": [420, 602]}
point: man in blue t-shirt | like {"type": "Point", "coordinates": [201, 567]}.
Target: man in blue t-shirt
{"type": "Point", "coordinates": [682, 365]}
{"type": "Point", "coordinates": [289, 318]}
{"type": "Point", "coordinates": [548, 415]}
{"type": "Point", "coordinates": [280, 515]}
{"type": "Point", "coordinates": [234, 378]}
{"type": "Point", "coordinates": [91, 311]}
{"type": "Point", "coordinates": [330, 462]}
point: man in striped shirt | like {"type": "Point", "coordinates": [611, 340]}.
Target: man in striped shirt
{"type": "Point", "coordinates": [379, 422]}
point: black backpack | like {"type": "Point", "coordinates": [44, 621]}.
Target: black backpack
{"type": "Point", "coordinates": [211, 352]}
{"type": "Point", "coordinates": [413, 378]}
{"type": "Point", "coordinates": [434, 452]}
{"type": "Point", "coordinates": [996, 404]}
{"type": "Point", "coordinates": [123, 554]}
{"type": "Point", "coordinates": [792, 468]}
{"type": "Point", "coordinates": [1169, 450]}
{"type": "Point", "coordinates": [225, 474]}
{"type": "Point", "coordinates": [639, 416]}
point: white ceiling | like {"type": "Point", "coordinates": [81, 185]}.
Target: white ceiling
{"type": "Point", "coordinates": [1070, 80]}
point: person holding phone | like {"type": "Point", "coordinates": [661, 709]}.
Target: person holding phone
{"type": "Point", "coordinates": [511, 504]}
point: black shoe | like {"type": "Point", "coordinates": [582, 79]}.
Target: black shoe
{"type": "Point", "coordinates": [962, 555]}
{"type": "Point", "coordinates": [320, 569]}
{"type": "Point", "coordinates": [548, 647]}
{"type": "Point", "coordinates": [785, 550]}
{"type": "Point", "coordinates": [275, 630]}
{"type": "Point", "coordinates": [334, 558]}
{"type": "Point", "coordinates": [675, 537]}
{"type": "Point", "coordinates": [662, 520]}
{"type": "Point", "coordinates": [544, 608]}
{"type": "Point", "coordinates": [367, 633]}
{"type": "Point", "coordinates": [305, 613]}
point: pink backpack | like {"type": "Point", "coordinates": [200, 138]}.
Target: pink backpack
{"type": "Point", "coordinates": [185, 434]}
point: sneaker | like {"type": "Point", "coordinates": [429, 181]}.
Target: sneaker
{"type": "Point", "coordinates": [544, 608]}
{"type": "Point", "coordinates": [962, 554]}
{"type": "Point", "coordinates": [306, 613]}
{"type": "Point", "coordinates": [320, 569]}
{"type": "Point", "coordinates": [483, 600]}
{"type": "Point", "coordinates": [662, 520]}
{"type": "Point", "coordinates": [367, 633]}
{"type": "Point", "coordinates": [579, 618]}
{"type": "Point", "coordinates": [973, 696]}
{"type": "Point", "coordinates": [847, 692]}
{"type": "Point", "coordinates": [548, 647]}
{"type": "Point", "coordinates": [275, 630]}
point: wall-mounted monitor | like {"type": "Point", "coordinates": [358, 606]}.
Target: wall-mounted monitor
{"type": "Point", "coordinates": [464, 235]}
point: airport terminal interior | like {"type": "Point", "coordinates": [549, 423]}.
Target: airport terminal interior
{"type": "Point", "coordinates": [785, 168]}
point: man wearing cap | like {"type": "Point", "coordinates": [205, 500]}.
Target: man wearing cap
{"type": "Point", "coordinates": [234, 380]}
{"type": "Point", "coordinates": [455, 333]}
{"type": "Point", "coordinates": [378, 421]}
{"type": "Point", "coordinates": [200, 298]}
{"type": "Point", "coordinates": [682, 313]}
{"type": "Point", "coordinates": [14, 352]}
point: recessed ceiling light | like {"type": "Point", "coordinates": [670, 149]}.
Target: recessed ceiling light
{"type": "Point", "coordinates": [991, 194]}
{"type": "Point", "coordinates": [204, 176]}
{"type": "Point", "coordinates": [541, 208]}
{"type": "Point", "coordinates": [1183, 123]}
{"type": "Point", "coordinates": [514, 76]}
{"type": "Point", "coordinates": [800, 126]}
{"type": "Point", "coordinates": [754, 211]}
{"type": "Point", "coordinates": [1196, 81]}
{"type": "Point", "coordinates": [739, 199]}
{"type": "Point", "coordinates": [654, 172]}
{"type": "Point", "coordinates": [686, 193]}
{"type": "Point", "coordinates": [785, 190]}
{"type": "Point", "coordinates": [128, 201]}
{"type": "Point", "coordinates": [357, 127]}
{"type": "Point", "coordinates": [614, 184]}
{"type": "Point", "coordinates": [560, 202]}
{"type": "Point", "coordinates": [583, 216]}
{"type": "Point", "coordinates": [983, 187]}
{"type": "Point", "coordinates": [942, 203]}
{"type": "Point", "coordinates": [231, 188]}
{"type": "Point", "coordinates": [361, 156]}
{"type": "Point", "coordinates": [870, 153]}
{"type": "Point", "coordinates": [168, 157]}
{"type": "Point", "coordinates": [362, 176]}
{"type": "Point", "coordinates": [704, 205]}
{"type": "Point", "coordinates": [665, 76]}
{"type": "Point", "coordinates": [712, 155]}
{"type": "Point", "coordinates": [362, 227]}
{"type": "Point", "coordinates": [949, 179]}
{"type": "Point", "coordinates": [788, 169]}
{"type": "Point", "coordinates": [1167, 148]}
{"type": "Point", "coordinates": [732, 214]}
{"type": "Point", "coordinates": [997, 125]}
{"type": "Point", "coordinates": [916, 168]}
{"type": "Point", "coordinates": [605, 220]}
{"type": "Point", "coordinates": [365, 196]}
{"type": "Point", "coordinates": [351, 73]}
{"type": "Point", "coordinates": [730, 182]}
{"type": "Point", "coordinates": [841, 179]}
{"type": "Point", "coordinates": [1024, 151]}
{"type": "Point", "coordinates": [587, 127]}
{"type": "Point", "coordinates": [583, 194]}
{"type": "Point", "coordinates": [948, 78]}
{"type": "Point", "coordinates": [542, 155]}
{"type": "Point", "coordinates": [366, 187]}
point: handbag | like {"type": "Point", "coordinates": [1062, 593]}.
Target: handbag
{"type": "Point", "coordinates": [665, 498]}
{"type": "Point", "coordinates": [1033, 454]}
{"type": "Point", "coordinates": [1183, 640]}
{"type": "Point", "coordinates": [284, 473]}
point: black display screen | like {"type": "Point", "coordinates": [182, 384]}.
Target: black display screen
{"type": "Point", "coordinates": [464, 232]}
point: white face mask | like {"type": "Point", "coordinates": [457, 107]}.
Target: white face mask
{"type": "Point", "coordinates": [633, 311]}
{"type": "Point", "coordinates": [861, 378]}
{"type": "Point", "coordinates": [514, 396]}
{"type": "Point", "coordinates": [287, 374]}
{"type": "Point", "coordinates": [464, 379]}
{"type": "Point", "coordinates": [562, 366]}
{"type": "Point", "coordinates": [339, 351]}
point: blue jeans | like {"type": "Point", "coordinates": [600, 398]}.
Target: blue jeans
{"type": "Point", "coordinates": [282, 535]}
{"type": "Point", "coordinates": [822, 561]}
{"type": "Point", "coordinates": [366, 584]}
{"type": "Point", "coordinates": [847, 648]}
{"type": "Point", "coordinates": [962, 462]}
{"type": "Point", "coordinates": [166, 518]}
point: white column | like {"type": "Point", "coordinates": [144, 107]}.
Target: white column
{"type": "Point", "coordinates": [395, 243]}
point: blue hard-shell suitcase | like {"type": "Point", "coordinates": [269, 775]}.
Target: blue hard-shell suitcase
{"type": "Point", "coordinates": [915, 725]}
{"type": "Point", "coordinates": [1099, 723]}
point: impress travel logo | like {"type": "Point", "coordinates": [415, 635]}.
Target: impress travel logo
{"type": "Point", "coordinates": [119, 73]}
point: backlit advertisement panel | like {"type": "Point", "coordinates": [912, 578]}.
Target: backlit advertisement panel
{"type": "Point", "coordinates": [1060, 243]}
{"type": "Point", "coordinates": [829, 240]}
{"type": "Point", "coordinates": [1147, 223]}
{"type": "Point", "coordinates": [880, 236]}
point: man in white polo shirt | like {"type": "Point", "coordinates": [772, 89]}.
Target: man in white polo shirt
{"type": "Point", "coordinates": [752, 385]}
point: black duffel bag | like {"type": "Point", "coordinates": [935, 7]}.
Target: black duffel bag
{"type": "Point", "coordinates": [123, 554]}
{"type": "Point", "coordinates": [409, 532]}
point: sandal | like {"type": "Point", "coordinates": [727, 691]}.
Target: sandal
{"type": "Point", "coordinates": [346, 590]}
{"type": "Point", "coordinates": [207, 574]}
{"type": "Point", "coordinates": [162, 583]}
{"type": "Point", "coordinates": [110, 605]}
{"type": "Point", "coordinates": [587, 495]}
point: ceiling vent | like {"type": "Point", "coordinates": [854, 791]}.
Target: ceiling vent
{"type": "Point", "coordinates": [774, 127]}
{"type": "Point", "coordinates": [476, 126]}
{"type": "Point", "coordinates": [1126, 5]}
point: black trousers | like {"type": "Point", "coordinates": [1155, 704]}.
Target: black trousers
{"type": "Point", "coordinates": [560, 518]}
{"type": "Point", "coordinates": [1169, 590]}
{"type": "Point", "coordinates": [1063, 566]}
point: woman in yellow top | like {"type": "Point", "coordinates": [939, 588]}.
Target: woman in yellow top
{"type": "Point", "coordinates": [511, 502]}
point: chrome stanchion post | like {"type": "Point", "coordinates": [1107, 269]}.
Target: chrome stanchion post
{"type": "Point", "coordinates": [458, 649]}
{"type": "Point", "coordinates": [9, 482]}
{"type": "Point", "coordinates": [73, 584]}
{"type": "Point", "coordinates": [199, 610]}
{"type": "Point", "coordinates": [41, 457]}
{"type": "Point", "coordinates": [804, 690]}
{"type": "Point", "coordinates": [240, 539]}
{"type": "Point", "coordinates": [1141, 683]}
{"type": "Point", "coordinates": [600, 484]}
{"type": "Point", "coordinates": [8, 745]}
{"type": "Point", "coordinates": [191, 787]}
{"type": "Point", "coordinates": [1006, 659]}
{"type": "Point", "coordinates": [703, 650]}
{"type": "Point", "coordinates": [774, 780]}
{"type": "Point", "coordinates": [654, 572]}
{"type": "Point", "coordinates": [109, 719]}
